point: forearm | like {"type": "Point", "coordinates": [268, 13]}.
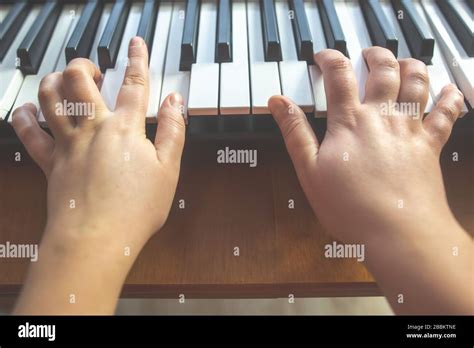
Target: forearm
{"type": "Point", "coordinates": [77, 274]}
{"type": "Point", "coordinates": [425, 268]}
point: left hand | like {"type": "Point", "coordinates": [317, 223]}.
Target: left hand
{"type": "Point", "coordinates": [103, 173]}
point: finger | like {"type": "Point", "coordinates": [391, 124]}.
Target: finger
{"type": "Point", "coordinates": [339, 82]}
{"type": "Point", "coordinates": [37, 142]}
{"type": "Point", "coordinates": [441, 119]}
{"type": "Point", "coordinates": [300, 140]}
{"type": "Point", "coordinates": [51, 100]}
{"type": "Point", "coordinates": [170, 132]}
{"type": "Point", "coordinates": [414, 87]}
{"type": "Point", "coordinates": [383, 80]}
{"type": "Point", "coordinates": [133, 96]}
{"type": "Point", "coordinates": [81, 81]}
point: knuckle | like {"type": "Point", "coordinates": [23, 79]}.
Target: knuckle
{"type": "Point", "coordinates": [416, 71]}
{"type": "Point", "coordinates": [387, 63]}
{"type": "Point", "coordinates": [47, 88]}
{"type": "Point", "coordinates": [456, 97]}
{"type": "Point", "coordinates": [443, 125]}
{"type": "Point", "coordinates": [75, 72]}
{"type": "Point", "coordinates": [291, 125]}
{"type": "Point", "coordinates": [449, 111]}
{"type": "Point", "coordinates": [26, 133]}
{"type": "Point", "coordinates": [16, 119]}
{"type": "Point", "coordinates": [441, 130]}
{"type": "Point", "coordinates": [134, 80]}
{"type": "Point", "coordinates": [122, 127]}
{"type": "Point", "coordinates": [419, 76]}
{"type": "Point", "coordinates": [339, 63]}
{"type": "Point", "coordinates": [174, 122]}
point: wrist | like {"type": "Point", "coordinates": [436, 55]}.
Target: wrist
{"type": "Point", "coordinates": [77, 234]}
{"type": "Point", "coordinates": [86, 267]}
{"type": "Point", "coordinates": [415, 235]}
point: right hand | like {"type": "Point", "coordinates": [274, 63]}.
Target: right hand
{"type": "Point", "coordinates": [373, 172]}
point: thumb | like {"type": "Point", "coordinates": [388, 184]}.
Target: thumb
{"type": "Point", "coordinates": [300, 140]}
{"type": "Point", "coordinates": [170, 133]}
{"type": "Point", "coordinates": [38, 143]}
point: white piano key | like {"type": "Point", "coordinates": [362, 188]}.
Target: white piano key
{"type": "Point", "coordinates": [11, 77]}
{"type": "Point", "coordinates": [264, 76]}
{"type": "Point", "coordinates": [465, 12]}
{"type": "Point", "coordinates": [438, 71]}
{"type": "Point", "coordinates": [61, 65]}
{"type": "Point", "coordinates": [319, 44]}
{"type": "Point", "coordinates": [157, 58]}
{"type": "Point", "coordinates": [234, 76]}
{"type": "Point", "coordinates": [175, 80]}
{"type": "Point", "coordinates": [113, 78]}
{"type": "Point", "coordinates": [204, 80]}
{"type": "Point", "coordinates": [285, 29]}
{"type": "Point", "coordinates": [460, 64]}
{"type": "Point", "coordinates": [29, 89]}
{"type": "Point", "coordinates": [403, 50]}
{"type": "Point", "coordinates": [430, 103]}
{"type": "Point", "coordinates": [4, 9]}
{"type": "Point", "coordinates": [100, 29]}
{"type": "Point", "coordinates": [358, 38]}
{"type": "Point", "coordinates": [294, 75]}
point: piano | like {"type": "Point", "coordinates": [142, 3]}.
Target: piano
{"type": "Point", "coordinates": [228, 57]}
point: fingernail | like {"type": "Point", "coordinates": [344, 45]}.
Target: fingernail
{"type": "Point", "coordinates": [176, 100]}
{"type": "Point", "coordinates": [136, 41]}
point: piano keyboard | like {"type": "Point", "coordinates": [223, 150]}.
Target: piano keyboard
{"type": "Point", "coordinates": [228, 57]}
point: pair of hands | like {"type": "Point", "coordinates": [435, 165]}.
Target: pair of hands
{"type": "Point", "coordinates": [116, 176]}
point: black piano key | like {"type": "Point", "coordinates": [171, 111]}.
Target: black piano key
{"type": "Point", "coordinates": [470, 3]}
{"type": "Point", "coordinates": [333, 33]}
{"type": "Point", "coordinates": [380, 31]}
{"type": "Point", "coordinates": [34, 45]}
{"type": "Point", "coordinates": [271, 37]}
{"type": "Point", "coordinates": [11, 24]}
{"type": "Point", "coordinates": [109, 43]}
{"type": "Point", "coordinates": [224, 32]}
{"type": "Point", "coordinates": [82, 38]}
{"type": "Point", "coordinates": [461, 29]}
{"type": "Point", "coordinates": [190, 35]}
{"type": "Point", "coordinates": [146, 28]}
{"type": "Point", "coordinates": [303, 38]}
{"type": "Point", "coordinates": [419, 40]}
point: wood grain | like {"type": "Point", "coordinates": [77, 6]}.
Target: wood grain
{"type": "Point", "coordinates": [226, 206]}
